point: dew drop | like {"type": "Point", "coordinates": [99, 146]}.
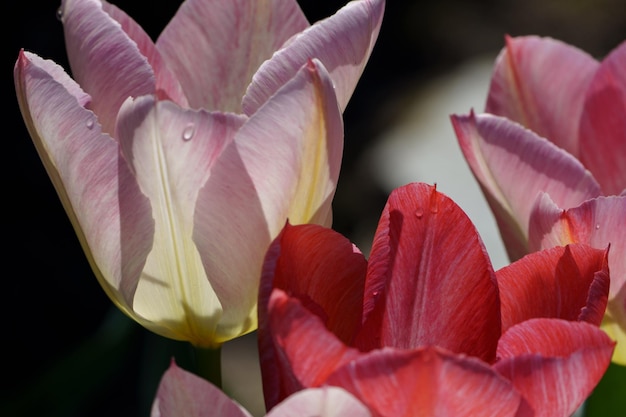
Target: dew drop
{"type": "Point", "coordinates": [90, 124]}
{"type": "Point", "coordinates": [60, 13]}
{"type": "Point", "coordinates": [597, 226]}
{"type": "Point", "coordinates": [188, 132]}
{"type": "Point", "coordinates": [419, 213]}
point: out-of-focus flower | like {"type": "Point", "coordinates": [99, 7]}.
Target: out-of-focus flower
{"type": "Point", "coordinates": [550, 155]}
{"type": "Point", "coordinates": [425, 327]}
{"type": "Point", "coordinates": [179, 161]}
{"type": "Point", "coordinates": [182, 393]}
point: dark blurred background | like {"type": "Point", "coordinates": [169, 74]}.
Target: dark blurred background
{"type": "Point", "coordinates": [67, 351]}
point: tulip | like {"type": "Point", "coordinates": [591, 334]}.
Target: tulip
{"type": "Point", "coordinates": [550, 155]}
{"type": "Point", "coordinates": [179, 161]}
{"type": "Point", "coordinates": [425, 327]}
{"type": "Point", "coordinates": [181, 393]}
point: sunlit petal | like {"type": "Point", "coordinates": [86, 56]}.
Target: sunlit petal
{"type": "Point", "coordinates": [172, 152]}
{"type": "Point", "coordinates": [569, 282]}
{"type": "Point", "coordinates": [343, 42]}
{"type": "Point", "coordinates": [321, 402]}
{"type": "Point", "coordinates": [105, 62]}
{"type": "Point", "coordinates": [92, 180]}
{"type": "Point", "coordinates": [428, 271]}
{"type": "Point", "coordinates": [540, 83]}
{"type": "Point", "coordinates": [513, 165]}
{"type": "Point", "coordinates": [429, 382]}
{"type": "Point", "coordinates": [215, 46]}
{"type": "Point", "coordinates": [603, 125]}
{"type": "Point", "coordinates": [554, 363]}
{"type": "Point", "coordinates": [182, 393]}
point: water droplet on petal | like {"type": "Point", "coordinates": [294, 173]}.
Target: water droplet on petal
{"type": "Point", "coordinates": [90, 124]}
{"type": "Point", "coordinates": [419, 213]}
{"type": "Point", "coordinates": [188, 132]}
{"type": "Point", "coordinates": [597, 226]}
{"type": "Point", "coordinates": [60, 13]}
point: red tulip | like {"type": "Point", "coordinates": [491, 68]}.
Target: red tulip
{"type": "Point", "coordinates": [425, 327]}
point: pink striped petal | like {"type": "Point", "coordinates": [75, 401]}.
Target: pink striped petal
{"type": "Point", "coordinates": [540, 83]}
{"type": "Point", "coordinates": [167, 86]}
{"type": "Point", "coordinates": [181, 393]}
{"type": "Point", "coordinates": [283, 164]}
{"type": "Point", "coordinates": [428, 274]}
{"type": "Point", "coordinates": [513, 165]}
{"type": "Point", "coordinates": [105, 61]}
{"type": "Point", "coordinates": [343, 42]}
{"type": "Point", "coordinates": [603, 124]}
{"type": "Point", "coordinates": [555, 364]}
{"type": "Point", "coordinates": [321, 402]}
{"type": "Point", "coordinates": [429, 382]}
{"type": "Point", "coordinates": [173, 151]}
{"type": "Point", "coordinates": [214, 46]}
{"type": "Point", "coordinates": [570, 283]}
{"type": "Point", "coordinates": [111, 217]}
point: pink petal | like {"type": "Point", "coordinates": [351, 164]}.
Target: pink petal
{"type": "Point", "coordinates": [429, 278]}
{"type": "Point", "coordinates": [296, 349]}
{"type": "Point", "coordinates": [214, 47]}
{"type": "Point", "coordinates": [105, 61]}
{"type": "Point", "coordinates": [428, 382]}
{"type": "Point", "coordinates": [172, 151]}
{"type": "Point", "coordinates": [603, 125]}
{"type": "Point", "coordinates": [167, 86]}
{"type": "Point", "coordinates": [569, 282]}
{"type": "Point", "coordinates": [111, 217]}
{"type": "Point", "coordinates": [513, 165]}
{"type": "Point", "coordinates": [343, 42]}
{"type": "Point", "coordinates": [540, 83]}
{"type": "Point", "coordinates": [555, 364]}
{"type": "Point", "coordinates": [321, 402]}
{"type": "Point", "coordinates": [263, 178]}
{"type": "Point", "coordinates": [182, 393]}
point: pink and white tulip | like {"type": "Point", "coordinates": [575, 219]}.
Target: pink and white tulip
{"type": "Point", "coordinates": [550, 155]}
{"type": "Point", "coordinates": [179, 161]}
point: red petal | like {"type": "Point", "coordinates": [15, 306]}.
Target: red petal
{"type": "Point", "coordinates": [429, 281]}
{"type": "Point", "coordinates": [555, 364]}
{"type": "Point", "coordinates": [569, 282]}
{"type": "Point", "coordinates": [429, 382]}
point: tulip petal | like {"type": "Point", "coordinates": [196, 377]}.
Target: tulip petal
{"type": "Point", "coordinates": [603, 125]}
{"type": "Point", "coordinates": [323, 270]}
{"type": "Point", "coordinates": [343, 42]}
{"type": "Point", "coordinates": [167, 86]}
{"type": "Point", "coordinates": [111, 217]}
{"type": "Point", "coordinates": [540, 83]}
{"type": "Point", "coordinates": [172, 151]}
{"type": "Point", "coordinates": [214, 47]}
{"type": "Point", "coordinates": [284, 163]}
{"type": "Point", "coordinates": [321, 402]}
{"type": "Point", "coordinates": [599, 222]}
{"type": "Point", "coordinates": [296, 349]}
{"type": "Point", "coordinates": [568, 282]}
{"type": "Point", "coordinates": [429, 382]}
{"type": "Point", "coordinates": [181, 393]}
{"type": "Point", "coordinates": [555, 364]}
{"type": "Point", "coordinates": [105, 61]}
{"type": "Point", "coordinates": [428, 271]}
{"type": "Point", "coordinates": [512, 165]}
